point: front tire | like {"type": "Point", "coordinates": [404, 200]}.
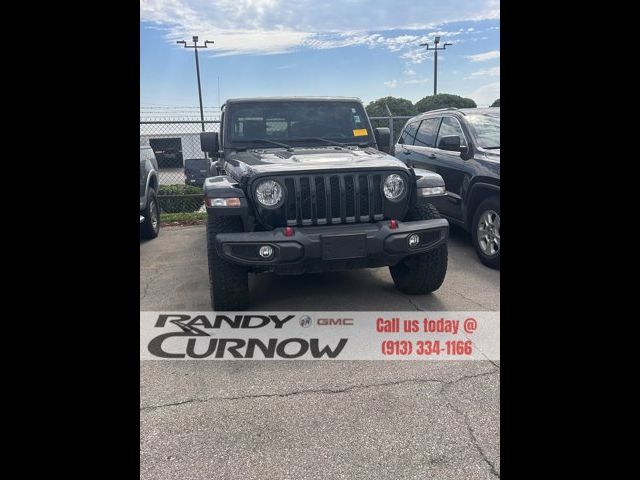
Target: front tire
{"type": "Point", "coordinates": [485, 232]}
{"type": "Point", "coordinates": [229, 283]}
{"type": "Point", "coordinates": [150, 227]}
{"type": "Point", "coordinates": [425, 272]}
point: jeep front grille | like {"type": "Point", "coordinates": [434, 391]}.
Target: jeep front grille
{"type": "Point", "coordinates": [319, 199]}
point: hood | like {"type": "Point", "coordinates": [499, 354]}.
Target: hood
{"type": "Point", "coordinates": [493, 154]}
{"type": "Point", "coordinates": [317, 158]}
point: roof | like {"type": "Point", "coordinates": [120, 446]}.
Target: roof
{"type": "Point", "coordinates": [294, 99]}
{"type": "Point", "coordinates": [463, 111]}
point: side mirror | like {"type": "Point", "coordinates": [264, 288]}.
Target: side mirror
{"type": "Point", "coordinates": [383, 138]}
{"type": "Point", "coordinates": [450, 142]}
{"type": "Point", "coordinates": [210, 143]}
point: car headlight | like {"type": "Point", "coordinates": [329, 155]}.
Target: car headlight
{"type": "Point", "coordinates": [394, 187]}
{"type": "Point", "coordinates": [269, 193]}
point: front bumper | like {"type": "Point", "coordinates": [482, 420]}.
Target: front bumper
{"type": "Point", "coordinates": [332, 247]}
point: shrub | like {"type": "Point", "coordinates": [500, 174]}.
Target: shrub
{"type": "Point", "coordinates": [179, 198]}
{"type": "Point", "coordinates": [443, 100]}
{"type": "Point", "coordinates": [398, 107]}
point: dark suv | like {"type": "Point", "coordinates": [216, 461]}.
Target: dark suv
{"type": "Point", "coordinates": [149, 208]}
{"type": "Point", "coordinates": [303, 186]}
{"type": "Point", "coordinates": [463, 146]}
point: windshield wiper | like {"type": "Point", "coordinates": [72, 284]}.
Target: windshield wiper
{"type": "Point", "coordinates": [320, 139]}
{"type": "Point", "coordinates": [264, 140]}
{"type": "Point", "coordinates": [492, 148]}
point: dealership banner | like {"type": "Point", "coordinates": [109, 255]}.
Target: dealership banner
{"type": "Point", "coordinates": [412, 335]}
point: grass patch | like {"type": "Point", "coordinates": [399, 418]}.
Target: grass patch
{"type": "Point", "coordinates": [183, 218]}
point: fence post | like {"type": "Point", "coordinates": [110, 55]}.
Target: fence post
{"type": "Point", "coordinates": [392, 147]}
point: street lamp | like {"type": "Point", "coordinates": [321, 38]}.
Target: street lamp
{"type": "Point", "coordinates": [195, 47]}
{"type": "Point", "coordinates": [435, 48]}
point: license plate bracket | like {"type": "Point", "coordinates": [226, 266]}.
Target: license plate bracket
{"type": "Point", "coordinates": [342, 247]}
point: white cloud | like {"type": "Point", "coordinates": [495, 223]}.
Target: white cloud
{"type": "Point", "coordinates": [486, 72]}
{"type": "Point", "coordinates": [485, 95]}
{"type": "Point", "coordinates": [415, 56]}
{"type": "Point", "coordinates": [409, 72]}
{"type": "Point", "coordinates": [483, 57]}
{"type": "Point", "coordinates": [413, 81]}
{"type": "Point", "coordinates": [277, 26]}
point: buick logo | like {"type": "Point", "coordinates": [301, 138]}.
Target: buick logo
{"type": "Point", "coordinates": [305, 321]}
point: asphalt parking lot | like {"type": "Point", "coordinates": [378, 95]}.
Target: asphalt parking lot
{"type": "Point", "coordinates": [302, 419]}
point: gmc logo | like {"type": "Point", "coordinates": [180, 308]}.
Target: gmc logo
{"type": "Point", "coordinates": [335, 321]}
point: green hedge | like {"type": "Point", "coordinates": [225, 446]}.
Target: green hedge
{"type": "Point", "coordinates": [189, 218]}
{"type": "Point", "coordinates": [179, 198]}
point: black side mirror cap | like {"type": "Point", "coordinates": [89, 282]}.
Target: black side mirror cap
{"type": "Point", "coordinates": [210, 143]}
{"type": "Point", "coordinates": [383, 138]}
{"type": "Point", "coordinates": [450, 142]}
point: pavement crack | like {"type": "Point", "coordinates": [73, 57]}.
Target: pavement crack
{"type": "Point", "coordinates": [174, 404]}
{"type": "Point", "coordinates": [410, 299]}
{"type": "Point", "coordinates": [315, 391]}
{"type": "Point", "coordinates": [473, 301]}
{"type": "Point", "coordinates": [467, 422]}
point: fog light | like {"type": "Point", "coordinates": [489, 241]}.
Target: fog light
{"type": "Point", "coordinates": [414, 240]}
{"type": "Point", "coordinates": [266, 251]}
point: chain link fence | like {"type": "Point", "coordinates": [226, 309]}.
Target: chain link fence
{"type": "Point", "coordinates": [183, 167]}
{"type": "Point", "coordinates": [395, 125]}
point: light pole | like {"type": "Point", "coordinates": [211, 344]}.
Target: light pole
{"type": "Point", "coordinates": [435, 48]}
{"type": "Point", "coordinates": [195, 47]}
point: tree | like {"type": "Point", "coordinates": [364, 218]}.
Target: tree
{"type": "Point", "coordinates": [398, 107]}
{"type": "Point", "coordinates": [496, 103]}
{"type": "Point", "coordinates": [443, 100]}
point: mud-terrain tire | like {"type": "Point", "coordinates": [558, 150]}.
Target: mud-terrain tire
{"type": "Point", "coordinates": [425, 272]}
{"type": "Point", "coordinates": [229, 283]}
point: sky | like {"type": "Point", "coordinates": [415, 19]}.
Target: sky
{"type": "Point", "coordinates": [363, 48]}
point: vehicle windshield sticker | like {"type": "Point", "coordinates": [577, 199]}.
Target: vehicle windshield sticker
{"type": "Point", "coordinates": [356, 118]}
{"type": "Point", "coordinates": [360, 132]}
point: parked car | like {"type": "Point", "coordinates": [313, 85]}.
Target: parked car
{"type": "Point", "coordinates": [149, 208]}
{"type": "Point", "coordinates": [304, 185]}
{"type": "Point", "coordinates": [463, 146]}
{"type": "Point", "coordinates": [196, 170]}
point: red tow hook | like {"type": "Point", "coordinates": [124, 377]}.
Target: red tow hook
{"type": "Point", "coordinates": [393, 224]}
{"type": "Point", "coordinates": [288, 232]}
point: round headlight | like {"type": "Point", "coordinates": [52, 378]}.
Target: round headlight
{"type": "Point", "coordinates": [393, 187]}
{"type": "Point", "coordinates": [269, 193]}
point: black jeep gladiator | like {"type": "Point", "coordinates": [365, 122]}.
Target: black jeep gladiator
{"type": "Point", "coordinates": [303, 184]}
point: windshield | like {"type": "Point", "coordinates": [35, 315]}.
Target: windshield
{"type": "Point", "coordinates": [486, 128]}
{"type": "Point", "coordinates": [297, 123]}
